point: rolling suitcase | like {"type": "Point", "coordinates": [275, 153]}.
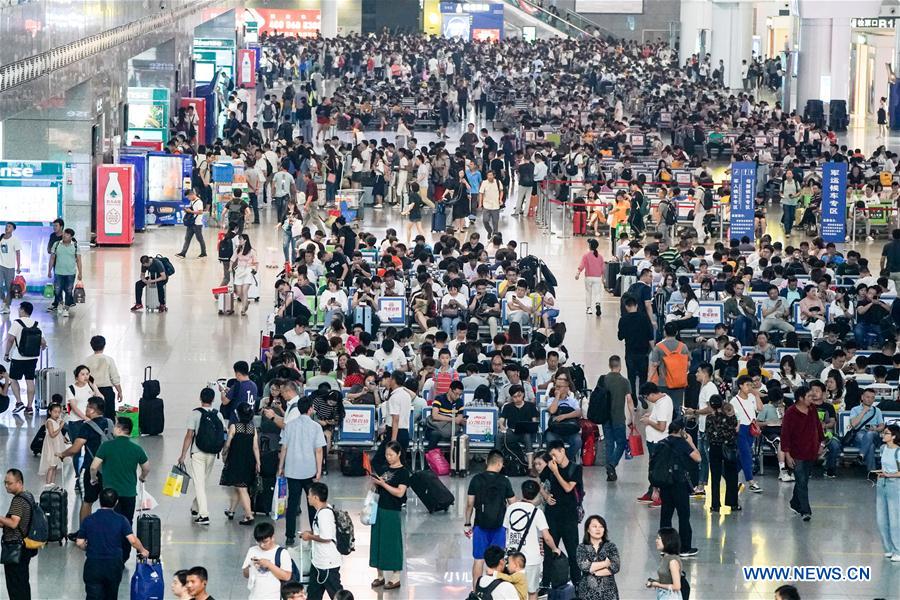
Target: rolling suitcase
{"type": "Point", "coordinates": [151, 415]}
{"type": "Point", "coordinates": [224, 299]}
{"type": "Point", "coordinates": [459, 455]}
{"type": "Point", "coordinates": [151, 302]}
{"type": "Point", "coordinates": [579, 223]}
{"type": "Point", "coordinates": [431, 491]}
{"type": "Point", "coordinates": [439, 219]}
{"type": "Point", "coordinates": [55, 504]}
{"type": "Point", "coordinates": [50, 382]}
{"type": "Point", "coordinates": [253, 290]}
{"type": "Point", "coordinates": [612, 275]}
{"type": "Point", "coordinates": [149, 531]}
{"type": "Point", "coordinates": [37, 442]}
{"type": "Point", "coordinates": [268, 456]}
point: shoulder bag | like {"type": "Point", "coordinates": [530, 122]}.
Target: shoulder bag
{"type": "Point", "coordinates": [755, 431]}
{"type": "Point", "coordinates": [850, 437]}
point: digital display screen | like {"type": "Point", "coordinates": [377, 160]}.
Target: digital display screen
{"type": "Point", "coordinates": [165, 179]}
{"type": "Point", "coordinates": [610, 6]}
{"type": "Point", "coordinates": [204, 71]}
{"type": "Point", "coordinates": [33, 202]}
{"type": "Point", "coordinates": [146, 116]}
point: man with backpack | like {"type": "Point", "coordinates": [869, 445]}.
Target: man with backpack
{"type": "Point", "coordinates": [284, 188]}
{"type": "Point", "coordinates": [267, 566]}
{"type": "Point", "coordinates": [668, 216]}
{"type": "Point", "coordinates": [120, 459]}
{"type": "Point", "coordinates": [24, 344]}
{"type": "Point", "coordinates": [526, 527]}
{"type": "Point", "coordinates": [612, 392]}
{"type": "Point", "coordinates": [204, 439]}
{"type": "Point", "coordinates": [65, 268]}
{"type": "Point", "coordinates": [656, 423]}
{"type": "Point", "coordinates": [563, 493]}
{"type": "Point", "coordinates": [268, 116]}
{"type": "Point", "coordinates": [670, 472]}
{"type": "Point", "coordinates": [669, 363]}
{"type": "Point", "coordinates": [490, 586]}
{"type": "Point", "coordinates": [93, 431]}
{"type": "Point", "coordinates": [16, 527]}
{"type": "Point", "coordinates": [325, 572]}
{"type": "Point", "coordinates": [488, 495]}
{"type": "Point", "coordinates": [193, 223]}
{"type": "Point", "coordinates": [153, 272]}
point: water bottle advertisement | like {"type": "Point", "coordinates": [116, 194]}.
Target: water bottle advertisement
{"type": "Point", "coordinates": [246, 75]}
{"type": "Point", "coordinates": [115, 204]}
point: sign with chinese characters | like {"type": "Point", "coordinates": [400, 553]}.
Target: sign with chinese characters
{"type": "Point", "coordinates": [710, 315]}
{"type": "Point", "coordinates": [874, 22]}
{"type": "Point", "coordinates": [834, 201]}
{"type": "Point", "coordinates": [358, 424]}
{"type": "Point", "coordinates": [743, 192]}
{"type": "Point", "coordinates": [481, 424]}
{"type": "Point", "coordinates": [392, 310]}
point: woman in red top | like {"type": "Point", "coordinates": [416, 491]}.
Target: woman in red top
{"type": "Point", "coordinates": [354, 375]}
{"type": "Point", "coordinates": [593, 267]}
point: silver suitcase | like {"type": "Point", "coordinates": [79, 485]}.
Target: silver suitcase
{"type": "Point", "coordinates": [152, 297]}
{"type": "Point", "coordinates": [50, 381]}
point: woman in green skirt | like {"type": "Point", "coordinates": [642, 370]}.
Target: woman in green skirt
{"type": "Point", "coordinates": [386, 544]}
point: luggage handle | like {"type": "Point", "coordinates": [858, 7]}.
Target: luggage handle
{"type": "Point", "coordinates": [44, 358]}
{"type": "Point", "coordinates": [148, 373]}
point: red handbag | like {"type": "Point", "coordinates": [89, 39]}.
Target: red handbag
{"type": "Point", "coordinates": [635, 442]}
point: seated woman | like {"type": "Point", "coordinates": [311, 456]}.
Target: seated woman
{"type": "Point", "coordinates": [514, 335]}
{"type": "Point", "coordinates": [764, 347]}
{"type": "Point", "coordinates": [685, 316]}
{"type": "Point", "coordinates": [595, 212]}
{"type": "Point", "coordinates": [422, 301]}
{"type": "Point", "coordinates": [334, 301]}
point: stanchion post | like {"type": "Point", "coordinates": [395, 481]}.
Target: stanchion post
{"type": "Point", "coordinates": [721, 222]}
{"type": "Point", "coordinates": [852, 226]}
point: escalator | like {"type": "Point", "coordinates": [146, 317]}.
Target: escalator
{"type": "Point", "coordinates": [522, 13]}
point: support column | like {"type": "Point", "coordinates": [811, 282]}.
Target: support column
{"type": "Point", "coordinates": [329, 18]}
{"type": "Point", "coordinates": [695, 16]}
{"type": "Point", "coordinates": [732, 38]}
{"type": "Point", "coordinates": [815, 59]}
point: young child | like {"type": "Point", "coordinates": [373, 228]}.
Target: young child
{"type": "Point", "coordinates": [294, 591]}
{"type": "Point", "coordinates": [549, 312]}
{"type": "Point", "coordinates": [54, 442]}
{"type": "Point", "coordinates": [264, 576]}
{"type": "Point", "coordinates": [515, 564]}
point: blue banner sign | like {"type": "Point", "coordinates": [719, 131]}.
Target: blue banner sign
{"type": "Point", "coordinates": [743, 193]}
{"type": "Point", "coordinates": [834, 202]}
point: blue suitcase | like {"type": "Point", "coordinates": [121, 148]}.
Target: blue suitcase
{"type": "Point", "coordinates": [439, 219]}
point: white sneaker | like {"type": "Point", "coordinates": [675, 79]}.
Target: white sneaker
{"type": "Point", "coordinates": [785, 476]}
{"type": "Point", "coordinates": [4, 310]}
{"type": "Point", "coordinates": [64, 312]}
{"type": "Point", "coordinates": [869, 238]}
{"type": "Point", "coordinates": [895, 558]}
{"type": "Point", "coordinates": [51, 308]}
{"type": "Point", "coordinates": [888, 554]}
{"type": "Point", "coordinates": [754, 487]}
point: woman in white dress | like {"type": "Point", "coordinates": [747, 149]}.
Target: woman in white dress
{"type": "Point", "coordinates": [244, 262]}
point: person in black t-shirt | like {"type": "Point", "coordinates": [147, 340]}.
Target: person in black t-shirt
{"type": "Point", "coordinates": [153, 272]}
{"type": "Point", "coordinates": [336, 264]}
{"type": "Point", "coordinates": [677, 497]}
{"type": "Point", "coordinates": [563, 501]}
{"type": "Point", "coordinates": [517, 410]}
{"type": "Point", "coordinates": [869, 314]}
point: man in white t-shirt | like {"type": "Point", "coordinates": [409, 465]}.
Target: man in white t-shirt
{"type": "Point", "coordinates": [495, 562]}
{"type": "Point", "coordinates": [193, 224]}
{"type": "Point", "coordinates": [266, 565]}
{"type": "Point", "coordinates": [325, 575]}
{"type": "Point", "coordinates": [299, 337]}
{"type": "Point", "coordinates": [10, 264]}
{"type": "Point", "coordinates": [519, 306]}
{"type": "Point", "coordinates": [708, 389]}
{"type": "Point", "coordinates": [656, 427]}
{"type": "Point", "coordinates": [519, 524]}
{"type": "Point", "coordinates": [390, 357]}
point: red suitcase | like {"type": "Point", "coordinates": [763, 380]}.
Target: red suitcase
{"type": "Point", "coordinates": [580, 223]}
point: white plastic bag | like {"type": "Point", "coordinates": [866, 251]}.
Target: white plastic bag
{"type": "Point", "coordinates": [147, 501]}
{"type": "Point", "coordinates": [370, 509]}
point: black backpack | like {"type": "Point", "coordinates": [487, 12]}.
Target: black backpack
{"type": "Point", "coordinates": [490, 502]}
{"type": "Point", "coordinates": [599, 409]}
{"type": "Point", "coordinates": [707, 199]}
{"type": "Point", "coordinates": [665, 467]}
{"type": "Point", "coordinates": [268, 113]}
{"type": "Point", "coordinates": [29, 342]}
{"type": "Point", "coordinates": [167, 265]}
{"type": "Point", "coordinates": [671, 214]}
{"type": "Point", "coordinates": [486, 592]}
{"type": "Point", "coordinates": [210, 434]}
{"type": "Point", "coordinates": [579, 381]}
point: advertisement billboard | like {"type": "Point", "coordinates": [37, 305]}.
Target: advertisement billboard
{"type": "Point", "coordinates": [299, 23]}
{"type": "Point", "coordinates": [168, 179]}
{"type": "Point", "coordinates": [148, 114]}
{"type": "Point", "coordinates": [115, 204]}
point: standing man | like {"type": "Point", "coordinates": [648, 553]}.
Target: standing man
{"type": "Point", "coordinates": [656, 424]}
{"type": "Point", "coordinates": [243, 391]}
{"type": "Point", "coordinates": [102, 536]}
{"type": "Point", "coordinates": [488, 496]}
{"type": "Point", "coordinates": [193, 223]}
{"type": "Point", "coordinates": [708, 389]}
{"type": "Point", "coordinates": [92, 432]}
{"type": "Point", "coordinates": [24, 344]}
{"type": "Point", "coordinates": [300, 460]}
{"type": "Point", "coordinates": [669, 362]}
{"type": "Point", "coordinates": [562, 489]}
{"type": "Point", "coordinates": [10, 264]}
{"type": "Point", "coordinates": [802, 438]}
{"type": "Point", "coordinates": [119, 460]}
{"type": "Point", "coordinates": [620, 414]}
{"type": "Point", "coordinates": [526, 527]}
{"type": "Point", "coordinates": [676, 451]}
{"type": "Point", "coordinates": [636, 329]}
{"type": "Point", "coordinates": [890, 257]}
{"type": "Point", "coordinates": [310, 210]}
{"type": "Point", "coordinates": [325, 575]}
{"type": "Point", "coordinates": [65, 260]}
{"type": "Point", "coordinates": [525, 174]}
{"type": "Point", "coordinates": [202, 430]}
{"type": "Point", "coordinates": [15, 527]}
{"type": "Point", "coordinates": [106, 375]}
{"type": "Point", "coordinates": [490, 198]}
{"type": "Point", "coordinates": [284, 188]}
{"type": "Point", "coordinates": [253, 187]}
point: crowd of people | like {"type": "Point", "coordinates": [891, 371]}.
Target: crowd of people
{"type": "Point", "coordinates": [482, 324]}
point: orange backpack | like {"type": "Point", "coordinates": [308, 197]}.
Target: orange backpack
{"type": "Point", "coordinates": [676, 365]}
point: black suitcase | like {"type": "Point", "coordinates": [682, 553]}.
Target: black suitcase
{"type": "Point", "coordinates": [54, 503]}
{"type": "Point", "coordinates": [261, 501]}
{"type": "Point", "coordinates": [352, 462]}
{"type": "Point", "coordinates": [612, 275]}
{"type": "Point", "coordinates": [149, 531]}
{"type": "Point", "coordinates": [37, 442]}
{"type": "Point", "coordinates": [431, 491]}
{"type": "Point", "coordinates": [152, 417]}
{"type": "Point", "coordinates": [268, 457]}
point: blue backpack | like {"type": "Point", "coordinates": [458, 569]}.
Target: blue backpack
{"type": "Point", "coordinates": [295, 572]}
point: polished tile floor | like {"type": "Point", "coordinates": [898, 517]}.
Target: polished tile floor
{"type": "Point", "coordinates": [191, 345]}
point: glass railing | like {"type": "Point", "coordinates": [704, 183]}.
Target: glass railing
{"type": "Point", "coordinates": [551, 19]}
{"type": "Point", "coordinates": [584, 23]}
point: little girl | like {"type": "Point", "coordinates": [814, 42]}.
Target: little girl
{"type": "Point", "coordinates": [54, 442]}
{"type": "Point", "coordinates": [549, 312]}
